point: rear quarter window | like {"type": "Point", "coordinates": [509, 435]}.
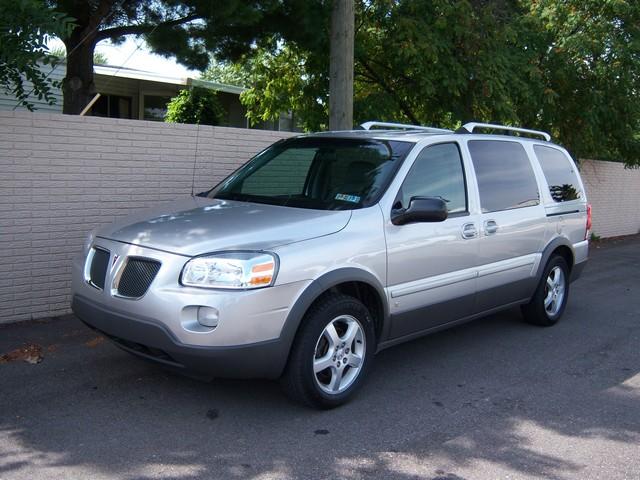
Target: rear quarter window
{"type": "Point", "coordinates": [505, 175]}
{"type": "Point", "coordinates": [560, 174]}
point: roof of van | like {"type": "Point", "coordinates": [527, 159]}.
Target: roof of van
{"type": "Point", "coordinates": [415, 133]}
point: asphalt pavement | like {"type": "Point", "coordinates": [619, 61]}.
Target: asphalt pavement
{"type": "Point", "coordinates": [492, 399]}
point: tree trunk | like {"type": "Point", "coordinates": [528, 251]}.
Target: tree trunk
{"type": "Point", "coordinates": [341, 66]}
{"type": "Point", "coordinates": [78, 87]}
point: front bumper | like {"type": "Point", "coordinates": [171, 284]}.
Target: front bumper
{"type": "Point", "coordinates": [162, 324]}
{"type": "Point", "coordinates": [151, 340]}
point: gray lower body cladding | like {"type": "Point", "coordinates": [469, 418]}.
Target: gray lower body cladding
{"type": "Point", "coordinates": [152, 341]}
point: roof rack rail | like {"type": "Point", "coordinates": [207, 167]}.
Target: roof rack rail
{"type": "Point", "coordinates": [403, 126]}
{"type": "Point", "coordinates": [469, 127]}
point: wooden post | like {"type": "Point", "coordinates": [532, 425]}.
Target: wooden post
{"type": "Point", "coordinates": [341, 66]}
{"type": "Point", "coordinates": [90, 104]}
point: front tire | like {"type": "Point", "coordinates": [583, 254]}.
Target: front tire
{"type": "Point", "coordinates": [331, 354]}
{"type": "Point", "coordinates": [550, 298]}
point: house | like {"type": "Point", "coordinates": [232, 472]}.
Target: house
{"type": "Point", "coordinates": [140, 95]}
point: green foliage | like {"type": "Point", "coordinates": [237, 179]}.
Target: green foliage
{"type": "Point", "coordinates": [591, 73]}
{"type": "Point", "coordinates": [189, 30]}
{"type": "Point", "coordinates": [25, 27]}
{"type": "Point", "coordinates": [58, 52]}
{"type": "Point", "coordinates": [283, 81]}
{"type": "Point", "coordinates": [197, 105]}
{"type": "Point", "coordinates": [419, 61]}
{"type": "Point", "coordinates": [99, 58]}
{"type": "Point", "coordinates": [571, 67]}
{"type": "Point", "coordinates": [227, 73]}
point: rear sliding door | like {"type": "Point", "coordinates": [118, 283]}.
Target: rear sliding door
{"type": "Point", "coordinates": [512, 222]}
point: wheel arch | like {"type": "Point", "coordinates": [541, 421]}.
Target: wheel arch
{"type": "Point", "coordinates": [351, 281]}
{"type": "Point", "coordinates": [558, 246]}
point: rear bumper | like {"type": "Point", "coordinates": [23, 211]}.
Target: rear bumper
{"type": "Point", "coordinates": [576, 271]}
{"type": "Point", "coordinates": [151, 340]}
{"type": "Point", "coordinates": [581, 255]}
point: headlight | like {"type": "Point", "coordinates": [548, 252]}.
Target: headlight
{"type": "Point", "coordinates": [230, 270]}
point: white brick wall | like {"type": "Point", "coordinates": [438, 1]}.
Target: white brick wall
{"type": "Point", "coordinates": [61, 176]}
{"type": "Point", "coordinates": [614, 194]}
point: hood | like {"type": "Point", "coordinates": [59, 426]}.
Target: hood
{"type": "Point", "coordinates": [196, 225]}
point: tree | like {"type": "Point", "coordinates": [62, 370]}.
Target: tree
{"type": "Point", "coordinates": [571, 67]}
{"type": "Point", "coordinates": [188, 29]}
{"type": "Point", "coordinates": [25, 27]}
{"type": "Point", "coordinates": [590, 67]}
{"type": "Point", "coordinates": [287, 80]}
{"type": "Point", "coordinates": [197, 105]}
{"type": "Point", "coordinates": [227, 73]}
{"type": "Point", "coordinates": [419, 61]}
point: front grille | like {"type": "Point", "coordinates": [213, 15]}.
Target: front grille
{"type": "Point", "coordinates": [99, 265]}
{"type": "Point", "coordinates": [137, 276]}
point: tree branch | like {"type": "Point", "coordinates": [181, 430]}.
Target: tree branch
{"type": "Point", "coordinates": [142, 28]}
{"type": "Point", "coordinates": [401, 103]}
{"type": "Point", "coordinates": [104, 7]}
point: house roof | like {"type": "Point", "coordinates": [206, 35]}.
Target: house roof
{"type": "Point", "coordinates": [123, 72]}
{"type": "Point", "coordinates": [220, 87]}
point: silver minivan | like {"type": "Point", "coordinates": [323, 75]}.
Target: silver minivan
{"type": "Point", "coordinates": [325, 249]}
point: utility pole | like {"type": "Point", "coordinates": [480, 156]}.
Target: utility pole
{"type": "Point", "coordinates": [341, 65]}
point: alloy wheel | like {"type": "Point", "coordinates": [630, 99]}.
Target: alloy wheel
{"type": "Point", "coordinates": [554, 291]}
{"type": "Point", "coordinates": [339, 354]}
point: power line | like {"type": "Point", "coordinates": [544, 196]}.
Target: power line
{"type": "Point", "coordinates": [138, 45]}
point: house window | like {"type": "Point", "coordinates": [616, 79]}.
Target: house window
{"type": "Point", "coordinates": [112, 106]}
{"type": "Point", "coordinates": [155, 107]}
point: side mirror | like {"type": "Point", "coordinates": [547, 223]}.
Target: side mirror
{"type": "Point", "coordinates": [421, 209]}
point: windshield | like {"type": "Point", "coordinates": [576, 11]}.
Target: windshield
{"type": "Point", "coordinates": [317, 173]}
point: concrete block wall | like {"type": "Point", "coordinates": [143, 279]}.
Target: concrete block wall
{"type": "Point", "coordinates": [614, 194]}
{"type": "Point", "coordinates": [61, 176]}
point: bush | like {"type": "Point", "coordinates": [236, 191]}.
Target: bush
{"type": "Point", "coordinates": [197, 105]}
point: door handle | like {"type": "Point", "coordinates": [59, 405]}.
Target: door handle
{"type": "Point", "coordinates": [490, 227]}
{"type": "Point", "coordinates": [469, 231]}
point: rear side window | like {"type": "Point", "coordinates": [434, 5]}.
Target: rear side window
{"type": "Point", "coordinates": [505, 176]}
{"type": "Point", "coordinates": [560, 173]}
{"type": "Point", "coordinates": [437, 172]}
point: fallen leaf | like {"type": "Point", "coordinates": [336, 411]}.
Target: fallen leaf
{"type": "Point", "coordinates": [94, 342]}
{"type": "Point", "coordinates": [30, 353]}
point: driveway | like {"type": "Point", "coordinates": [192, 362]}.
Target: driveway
{"type": "Point", "coordinates": [493, 399]}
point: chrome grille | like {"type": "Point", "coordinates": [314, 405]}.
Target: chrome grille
{"type": "Point", "coordinates": [137, 276]}
{"type": "Point", "coordinates": [99, 266]}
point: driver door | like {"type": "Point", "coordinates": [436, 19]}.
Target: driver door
{"type": "Point", "coordinates": [431, 273]}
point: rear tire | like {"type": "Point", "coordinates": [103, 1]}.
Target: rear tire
{"type": "Point", "coordinates": [550, 298]}
{"type": "Point", "coordinates": [331, 354]}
